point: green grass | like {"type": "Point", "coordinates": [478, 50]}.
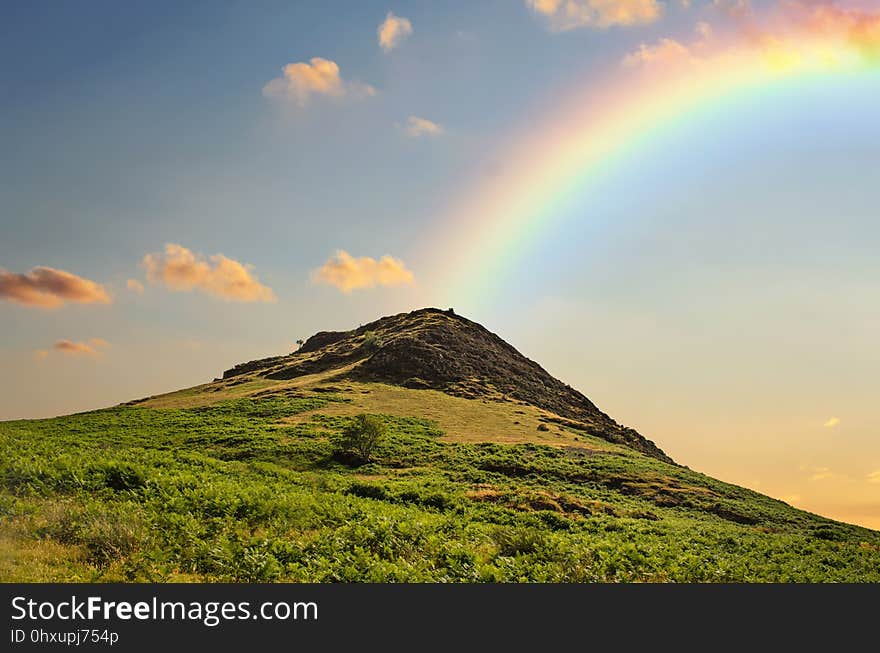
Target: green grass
{"type": "Point", "coordinates": [240, 490]}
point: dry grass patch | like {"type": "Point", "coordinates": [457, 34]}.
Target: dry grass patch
{"type": "Point", "coordinates": [461, 420]}
{"type": "Point", "coordinates": [24, 559]}
{"type": "Point", "coordinates": [237, 387]}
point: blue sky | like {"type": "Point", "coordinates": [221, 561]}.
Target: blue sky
{"type": "Point", "coordinates": [718, 290]}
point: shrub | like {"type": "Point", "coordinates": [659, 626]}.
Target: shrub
{"type": "Point", "coordinates": [518, 540]}
{"type": "Point", "coordinates": [372, 342]}
{"type": "Point", "coordinates": [367, 491]}
{"type": "Point", "coordinates": [121, 477]}
{"type": "Point", "coordinates": [363, 436]}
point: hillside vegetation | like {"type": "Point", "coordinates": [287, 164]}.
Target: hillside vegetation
{"type": "Point", "coordinates": [245, 479]}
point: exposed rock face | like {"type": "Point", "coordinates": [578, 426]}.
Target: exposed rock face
{"type": "Point", "coordinates": [430, 348]}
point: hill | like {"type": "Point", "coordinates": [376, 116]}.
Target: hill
{"type": "Point", "coordinates": [491, 470]}
{"type": "Point", "coordinates": [433, 349]}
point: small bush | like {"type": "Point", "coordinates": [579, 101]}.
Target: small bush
{"type": "Point", "coordinates": [363, 436]}
{"type": "Point", "coordinates": [372, 341]}
{"type": "Point", "coordinates": [827, 532]}
{"type": "Point", "coordinates": [518, 540]}
{"type": "Point", "coordinates": [368, 491]}
{"type": "Point", "coordinates": [123, 477]}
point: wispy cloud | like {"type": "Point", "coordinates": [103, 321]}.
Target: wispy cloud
{"type": "Point", "coordinates": [832, 422]}
{"type": "Point", "coordinates": [50, 288]}
{"type": "Point", "coordinates": [416, 127]}
{"type": "Point", "coordinates": [393, 31]}
{"type": "Point", "coordinates": [564, 15]}
{"type": "Point", "coordinates": [192, 344]}
{"type": "Point", "coordinates": [670, 51]}
{"type": "Point", "coordinates": [821, 473]}
{"type": "Point", "coordinates": [181, 270]}
{"type": "Point", "coordinates": [704, 30]}
{"type": "Point", "coordinates": [874, 477]}
{"type": "Point", "coordinates": [135, 286]}
{"type": "Point", "coordinates": [300, 81]}
{"type": "Point", "coordinates": [860, 27]}
{"type": "Point", "coordinates": [348, 273]}
{"type": "Point", "coordinates": [92, 347]}
{"type": "Point", "coordinates": [735, 8]}
{"type": "Point", "coordinates": [783, 39]}
{"type": "Point", "coordinates": [664, 51]}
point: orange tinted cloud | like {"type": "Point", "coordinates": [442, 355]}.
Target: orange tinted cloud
{"type": "Point", "coordinates": [181, 270]}
{"type": "Point", "coordinates": [416, 127]}
{"type": "Point", "coordinates": [50, 288]}
{"type": "Point", "coordinates": [392, 31]}
{"type": "Point", "coordinates": [794, 33]}
{"type": "Point", "coordinates": [71, 348]}
{"type": "Point", "coordinates": [135, 286]}
{"type": "Point", "coordinates": [669, 51]}
{"type": "Point", "coordinates": [665, 51]}
{"type": "Point", "coordinates": [348, 273]}
{"type": "Point", "coordinates": [859, 27]}
{"type": "Point", "coordinates": [563, 15]}
{"type": "Point", "coordinates": [301, 80]}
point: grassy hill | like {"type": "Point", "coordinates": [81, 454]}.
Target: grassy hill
{"type": "Point", "coordinates": [491, 470]}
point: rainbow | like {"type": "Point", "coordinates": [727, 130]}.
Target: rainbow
{"type": "Point", "coordinates": [557, 162]}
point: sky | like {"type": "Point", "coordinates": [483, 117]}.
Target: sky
{"type": "Point", "coordinates": [671, 205]}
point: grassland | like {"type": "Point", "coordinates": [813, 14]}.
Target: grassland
{"type": "Point", "coordinates": [242, 482]}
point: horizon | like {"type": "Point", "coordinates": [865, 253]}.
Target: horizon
{"type": "Point", "coordinates": [670, 206]}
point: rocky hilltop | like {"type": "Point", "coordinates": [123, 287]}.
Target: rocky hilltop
{"type": "Point", "coordinates": [440, 350]}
